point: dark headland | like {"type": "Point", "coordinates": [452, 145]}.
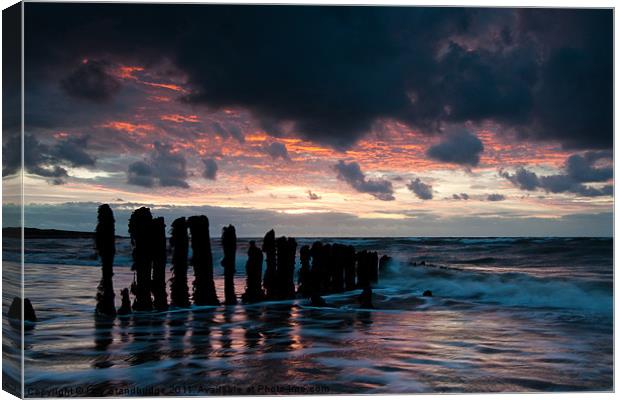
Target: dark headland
{"type": "Point", "coordinates": [36, 233]}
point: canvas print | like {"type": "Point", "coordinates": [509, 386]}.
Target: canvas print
{"type": "Point", "coordinates": [205, 199]}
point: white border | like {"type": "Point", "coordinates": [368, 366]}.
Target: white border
{"type": "Point", "coordinates": [458, 3]}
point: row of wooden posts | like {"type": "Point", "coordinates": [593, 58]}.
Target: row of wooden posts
{"type": "Point", "coordinates": [325, 268]}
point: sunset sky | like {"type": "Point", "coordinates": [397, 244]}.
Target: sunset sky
{"type": "Point", "coordinates": [364, 121]}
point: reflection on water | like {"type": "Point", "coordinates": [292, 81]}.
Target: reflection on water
{"type": "Point", "coordinates": [480, 333]}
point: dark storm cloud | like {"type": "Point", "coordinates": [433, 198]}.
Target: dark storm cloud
{"type": "Point", "coordinates": [496, 197]}
{"type": "Point", "coordinates": [313, 196]}
{"type": "Point", "coordinates": [333, 71]}
{"type": "Point", "coordinates": [420, 189]}
{"type": "Point", "coordinates": [163, 167]}
{"type": "Point", "coordinates": [352, 174]}
{"type": "Point", "coordinates": [581, 167]}
{"type": "Point", "coordinates": [522, 178]}
{"type": "Point", "coordinates": [141, 174]}
{"type": "Point", "coordinates": [91, 81]}
{"type": "Point", "coordinates": [460, 147]}
{"type": "Point", "coordinates": [578, 170]}
{"type": "Point", "coordinates": [72, 150]}
{"type": "Point", "coordinates": [276, 150]}
{"type": "Point", "coordinates": [48, 161]}
{"type": "Point", "coordinates": [210, 170]}
{"type": "Point", "coordinates": [574, 100]}
{"type": "Point", "coordinates": [169, 167]}
{"type": "Point", "coordinates": [11, 153]}
{"type": "Point", "coordinates": [11, 70]}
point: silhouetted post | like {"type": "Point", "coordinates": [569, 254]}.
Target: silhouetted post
{"type": "Point", "coordinates": [305, 277]}
{"type": "Point", "coordinates": [339, 253]}
{"type": "Point", "coordinates": [289, 269]}
{"type": "Point", "coordinates": [179, 242]}
{"type": "Point", "coordinates": [15, 310]}
{"type": "Point", "coordinates": [317, 301]}
{"type": "Point", "coordinates": [269, 248]}
{"type": "Point", "coordinates": [362, 269]}
{"type": "Point", "coordinates": [202, 261]}
{"type": "Point", "coordinates": [326, 266]}
{"type": "Point", "coordinates": [254, 272]}
{"type": "Point", "coordinates": [140, 225]}
{"type": "Point", "coordinates": [285, 256]}
{"type": "Point", "coordinates": [229, 244]}
{"type": "Point", "coordinates": [125, 307]}
{"type": "Point", "coordinates": [365, 298]}
{"type": "Point", "coordinates": [317, 258]}
{"type": "Point", "coordinates": [384, 262]}
{"type": "Point", "coordinates": [373, 267]}
{"type": "Point", "coordinates": [281, 261]}
{"type": "Point", "coordinates": [158, 243]}
{"type": "Point", "coordinates": [106, 249]}
{"type": "Point", "coordinates": [349, 268]}
{"type": "Point", "coordinates": [317, 253]}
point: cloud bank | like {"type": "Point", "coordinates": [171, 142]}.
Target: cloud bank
{"type": "Point", "coordinates": [352, 173]}
{"type": "Point", "coordinates": [579, 169]}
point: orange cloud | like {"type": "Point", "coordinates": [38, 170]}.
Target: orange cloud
{"type": "Point", "coordinates": [179, 118]}
{"type": "Point", "coordinates": [160, 99]}
{"type": "Point", "coordinates": [128, 127]}
{"type": "Point", "coordinates": [127, 72]}
{"type": "Point", "coordinates": [169, 86]}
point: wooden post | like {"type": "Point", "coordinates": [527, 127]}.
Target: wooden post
{"type": "Point", "coordinates": [254, 271]}
{"type": "Point", "coordinates": [158, 243]}
{"type": "Point", "coordinates": [106, 249]}
{"type": "Point", "coordinates": [269, 248]}
{"type": "Point", "coordinates": [349, 268]}
{"type": "Point", "coordinates": [229, 244]}
{"type": "Point", "coordinates": [179, 242]}
{"type": "Point", "coordinates": [305, 278]}
{"type": "Point", "coordinates": [202, 262]}
{"type": "Point", "coordinates": [140, 225]}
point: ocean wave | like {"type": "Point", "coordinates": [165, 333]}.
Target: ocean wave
{"type": "Point", "coordinates": [508, 289]}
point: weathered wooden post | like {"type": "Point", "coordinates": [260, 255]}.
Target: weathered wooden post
{"type": "Point", "coordinates": [373, 267]}
{"type": "Point", "coordinates": [288, 273]}
{"type": "Point", "coordinates": [384, 263]}
{"type": "Point", "coordinates": [202, 261]}
{"type": "Point", "coordinates": [15, 312]}
{"type": "Point", "coordinates": [125, 307]}
{"type": "Point", "coordinates": [316, 251]}
{"type": "Point", "coordinates": [106, 248]}
{"type": "Point", "coordinates": [229, 244]}
{"type": "Point", "coordinates": [254, 271]}
{"type": "Point", "coordinates": [317, 254]}
{"type": "Point", "coordinates": [362, 269]}
{"type": "Point", "coordinates": [365, 298]}
{"type": "Point", "coordinates": [305, 277]}
{"type": "Point", "coordinates": [349, 268]}
{"type": "Point", "coordinates": [337, 268]}
{"type": "Point", "coordinates": [326, 264]}
{"type": "Point", "coordinates": [179, 242]}
{"type": "Point", "coordinates": [140, 225]}
{"type": "Point", "coordinates": [285, 256]}
{"type": "Point", "coordinates": [158, 243]}
{"type": "Point", "coordinates": [270, 280]}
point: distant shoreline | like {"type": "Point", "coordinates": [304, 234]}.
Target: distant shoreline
{"type": "Point", "coordinates": [36, 233]}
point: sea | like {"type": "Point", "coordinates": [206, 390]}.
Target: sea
{"type": "Point", "coordinates": [506, 315]}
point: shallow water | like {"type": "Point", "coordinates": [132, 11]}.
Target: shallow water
{"type": "Point", "coordinates": [507, 315]}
